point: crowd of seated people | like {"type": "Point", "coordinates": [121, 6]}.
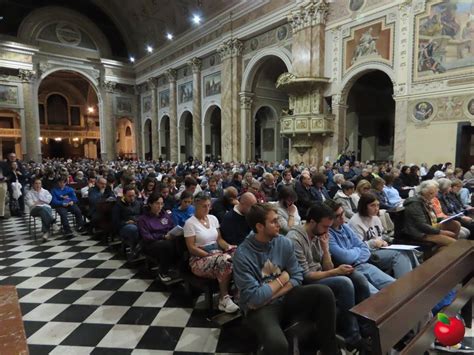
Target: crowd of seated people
{"type": "Point", "coordinates": [234, 219]}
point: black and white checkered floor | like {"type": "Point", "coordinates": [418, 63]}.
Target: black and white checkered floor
{"type": "Point", "coordinates": [77, 296]}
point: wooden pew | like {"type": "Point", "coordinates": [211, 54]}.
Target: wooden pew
{"type": "Point", "coordinates": [399, 307]}
{"type": "Point", "coordinates": [12, 332]}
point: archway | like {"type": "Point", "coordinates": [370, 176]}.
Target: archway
{"type": "Point", "coordinates": [10, 136]}
{"type": "Point", "coordinates": [268, 104]}
{"type": "Point", "coordinates": [125, 144]}
{"type": "Point", "coordinates": [212, 133]}
{"type": "Point", "coordinates": [185, 132]}
{"type": "Point", "coordinates": [68, 108]}
{"type": "Point", "coordinates": [165, 137]}
{"type": "Point", "coordinates": [370, 117]}
{"type": "Point", "coordinates": [147, 146]}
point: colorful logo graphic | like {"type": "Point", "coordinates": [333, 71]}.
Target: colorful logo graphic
{"type": "Point", "coordinates": [449, 331]}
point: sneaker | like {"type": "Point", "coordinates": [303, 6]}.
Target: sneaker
{"type": "Point", "coordinates": [164, 277]}
{"type": "Point", "coordinates": [458, 348]}
{"type": "Point", "coordinates": [45, 236]}
{"type": "Point", "coordinates": [227, 305]}
{"type": "Point", "coordinates": [55, 228]}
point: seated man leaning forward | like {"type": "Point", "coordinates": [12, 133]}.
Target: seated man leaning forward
{"type": "Point", "coordinates": [269, 279]}
{"type": "Point", "coordinates": [350, 287]}
{"type": "Point", "coordinates": [347, 248]}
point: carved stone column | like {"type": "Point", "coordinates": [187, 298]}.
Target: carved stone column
{"type": "Point", "coordinates": [247, 126]}
{"type": "Point", "coordinates": [137, 122]}
{"type": "Point", "coordinates": [231, 77]}
{"type": "Point", "coordinates": [339, 110]}
{"type": "Point", "coordinates": [171, 74]}
{"type": "Point", "coordinates": [155, 144]}
{"type": "Point", "coordinates": [196, 65]}
{"type": "Point", "coordinates": [31, 127]}
{"type": "Point", "coordinates": [107, 123]}
{"type": "Point", "coordinates": [306, 123]}
{"type": "Point", "coordinates": [401, 121]}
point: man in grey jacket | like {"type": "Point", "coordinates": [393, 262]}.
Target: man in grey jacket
{"type": "Point", "coordinates": [350, 287]}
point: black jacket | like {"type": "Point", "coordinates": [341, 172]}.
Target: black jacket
{"type": "Point", "coordinates": [417, 221]}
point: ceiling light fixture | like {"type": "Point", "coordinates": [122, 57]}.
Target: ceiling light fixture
{"type": "Point", "coordinates": [132, 59]}
{"type": "Point", "coordinates": [149, 49]}
{"type": "Point", "coordinates": [169, 36]}
{"type": "Point", "coordinates": [90, 109]}
{"type": "Point", "coordinates": [197, 19]}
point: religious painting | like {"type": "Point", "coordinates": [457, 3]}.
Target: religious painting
{"type": "Point", "coordinates": [124, 105]}
{"type": "Point", "coordinates": [444, 41]}
{"type": "Point", "coordinates": [470, 107]}
{"type": "Point", "coordinates": [371, 42]}
{"type": "Point", "coordinates": [8, 95]}
{"type": "Point", "coordinates": [212, 84]}
{"type": "Point", "coordinates": [423, 111]}
{"type": "Point", "coordinates": [356, 5]}
{"type": "Point", "coordinates": [185, 92]}
{"type": "Point", "coordinates": [146, 104]}
{"type": "Point", "coordinates": [164, 98]}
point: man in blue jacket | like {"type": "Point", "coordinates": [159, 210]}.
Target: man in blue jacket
{"type": "Point", "coordinates": [64, 200]}
{"type": "Point", "coordinates": [269, 279]}
{"type": "Point", "coordinates": [346, 247]}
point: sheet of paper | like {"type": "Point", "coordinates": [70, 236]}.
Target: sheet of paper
{"type": "Point", "coordinates": [401, 247]}
{"type": "Point", "coordinates": [177, 231]}
{"type": "Point", "coordinates": [452, 217]}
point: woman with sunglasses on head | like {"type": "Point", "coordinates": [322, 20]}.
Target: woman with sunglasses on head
{"type": "Point", "coordinates": [210, 253]}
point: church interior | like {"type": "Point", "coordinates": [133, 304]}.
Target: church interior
{"type": "Point", "coordinates": [245, 108]}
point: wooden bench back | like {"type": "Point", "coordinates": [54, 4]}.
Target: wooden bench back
{"type": "Point", "coordinates": [12, 331]}
{"type": "Point", "coordinates": [399, 307]}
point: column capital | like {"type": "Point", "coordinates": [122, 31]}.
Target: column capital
{"type": "Point", "coordinates": [108, 86]}
{"type": "Point", "coordinates": [246, 99]}
{"type": "Point", "coordinates": [310, 13]}
{"type": "Point", "coordinates": [171, 74]}
{"type": "Point", "coordinates": [152, 83]}
{"type": "Point", "coordinates": [26, 75]}
{"type": "Point", "coordinates": [230, 48]}
{"type": "Point", "coordinates": [195, 64]}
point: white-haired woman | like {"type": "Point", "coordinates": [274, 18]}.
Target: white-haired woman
{"type": "Point", "coordinates": [420, 219]}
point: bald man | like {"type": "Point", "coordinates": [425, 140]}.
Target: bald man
{"type": "Point", "coordinates": [234, 227]}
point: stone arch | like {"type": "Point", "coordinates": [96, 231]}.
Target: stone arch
{"type": "Point", "coordinates": [185, 135]}
{"type": "Point", "coordinates": [147, 140]}
{"type": "Point", "coordinates": [93, 81]}
{"type": "Point", "coordinates": [125, 143]}
{"type": "Point", "coordinates": [164, 136]}
{"type": "Point", "coordinates": [255, 63]}
{"type": "Point", "coordinates": [212, 131]}
{"type": "Point", "coordinates": [38, 19]}
{"type": "Point", "coordinates": [358, 72]}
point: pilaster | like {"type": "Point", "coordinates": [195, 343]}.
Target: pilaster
{"type": "Point", "coordinates": [107, 129]}
{"type": "Point", "coordinates": [155, 144]}
{"type": "Point", "coordinates": [196, 65]}
{"type": "Point", "coordinates": [31, 127]}
{"type": "Point", "coordinates": [247, 126]}
{"type": "Point", "coordinates": [171, 75]}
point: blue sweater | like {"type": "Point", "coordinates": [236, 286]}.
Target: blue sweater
{"type": "Point", "coordinates": [57, 200]}
{"type": "Point", "coordinates": [180, 216]}
{"type": "Point", "coordinates": [256, 264]}
{"type": "Point", "coordinates": [346, 247]}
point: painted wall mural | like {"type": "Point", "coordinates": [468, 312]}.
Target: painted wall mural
{"type": "Point", "coordinates": [444, 39]}
{"type": "Point", "coordinates": [185, 92]}
{"type": "Point", "coordinates": [371, 41]}
{"type": "Point", "coordinates": [212, 84]}
{"type": "Point", "coordinates": [146, 104]}
{"type": "Point", "coordinates": [448, 108]}
{"type": "Point", "coordinates": [124, 105]}
{"type": "Point", "coordinates": [164, 98]}
{"type": "Point", "coordinates": [8, 95]}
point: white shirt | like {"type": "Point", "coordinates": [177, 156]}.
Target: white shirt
{"type": "Point", "coordinates": [204, 236]}
{"type": "Point", "coordinates": [33, 196]}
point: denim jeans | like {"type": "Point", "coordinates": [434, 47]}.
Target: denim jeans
{"type": "Point", "coordinates": [129, 235]}
{"type": "Point", "coordinates": [394, 262]}
{"type": "Point", "coordinates": [377, 278]}
{"type": "Point", "coordinates": [63, 211]}
{"type": "Point", "coordinates": [46, 215]}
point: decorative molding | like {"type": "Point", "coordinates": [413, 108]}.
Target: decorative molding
{"type": "Point", "coordinates": [196, 64]}
{"type": "Point", "coordinates": [27, 75]}
{"type": "Point", "coordinates": [152, 83]}
{"type": "Point", "coordinates": [231, 48]}
{"type": "Point", "coordinates": [246, 99]}
{"type": "Point", "coordinates": [313, 13]}
{"type": "Point", "coordinates": [108, 86]}
{"type": "Point", "coordinates": [171, 74]}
